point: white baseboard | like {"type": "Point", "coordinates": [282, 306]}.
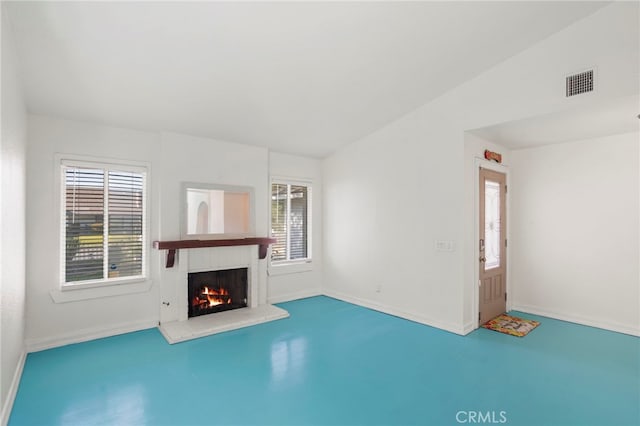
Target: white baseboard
{"type": "Point", "coordinates": [35, 345]}
{"type": "Point", "coordinates": [303, 294]}
{"type": "Point", "coordinates": [452, 328]}
{"type": "Point", "coordinates": [577, 319]}
{"type": "Point", "coordinates": [469, 327]}
{"type": "Point", "coordinates": [13, 390]}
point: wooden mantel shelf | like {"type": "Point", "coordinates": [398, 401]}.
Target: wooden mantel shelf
{"type": "Point", "coordinates": [172, 246]}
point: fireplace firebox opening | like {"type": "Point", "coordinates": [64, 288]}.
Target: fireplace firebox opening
{"type": "Point", "coordinates": [217, 291]}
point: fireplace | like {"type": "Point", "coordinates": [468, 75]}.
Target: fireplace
{"type": "Point", "coordinates": [217, 291]}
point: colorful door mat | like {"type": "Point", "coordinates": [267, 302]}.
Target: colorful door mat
{"type": "Point", "coordinates": [511, 325]}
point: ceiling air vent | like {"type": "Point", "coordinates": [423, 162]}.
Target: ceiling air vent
{"type": "Point", "coordinates": [580, 83]}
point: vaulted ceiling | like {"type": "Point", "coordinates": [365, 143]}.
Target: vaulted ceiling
{"type": "Point", "coordinates": [302, 78]}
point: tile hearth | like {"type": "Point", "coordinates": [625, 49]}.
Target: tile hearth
{"type": "Point", "coordinates": [193, 328]}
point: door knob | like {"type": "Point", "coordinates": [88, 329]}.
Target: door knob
{"type": "Point", "coordinates": [483, 259]}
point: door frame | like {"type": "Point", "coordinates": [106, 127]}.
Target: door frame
{"type": "Point", "coordinates": [478, 163]}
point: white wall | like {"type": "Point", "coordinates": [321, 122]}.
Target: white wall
{"type": "Point", "coordinates": [389, 196]}
{"type": "Point", "coordinates": [575, 209]}
{"type": "Point", "coordinates": [50, 323]}
{"type": "Point", "coordinates": [474, 147]}
{"type": "Point", "coordinates": [173, 159]}
{"type": "Point", "coordinates": [298, 283]}
{"type": "Point", "coordinates": [12, 224]}
{"type": "Point", "coordinates": [192, 159]}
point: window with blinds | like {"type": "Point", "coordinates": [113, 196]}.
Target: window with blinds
{"type": "Point", "coordinates": [104, 223]}
{"type": "Point", "coordinates": [290, 217]}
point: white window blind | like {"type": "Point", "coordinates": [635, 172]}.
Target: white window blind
{"type": "Point", "coordinates": [96, 249]}
{"type": "Point", "coordinates": [290, 222]}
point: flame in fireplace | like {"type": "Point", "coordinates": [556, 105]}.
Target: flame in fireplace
{"type": "Point", "coordinates": [211, 297]}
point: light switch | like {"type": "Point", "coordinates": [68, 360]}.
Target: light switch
{"type": "Point", "coordinates": [444, 245]}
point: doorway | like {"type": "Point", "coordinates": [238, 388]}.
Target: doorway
{"type": "Point", "coordinates": [492, 261]}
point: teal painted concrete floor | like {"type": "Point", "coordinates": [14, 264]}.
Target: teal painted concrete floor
{"type": "Point", "coordinates": [333, 363]}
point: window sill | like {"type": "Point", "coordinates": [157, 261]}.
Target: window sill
{"type": "Point", "coordinates": [74, 294]}
{"type": "Point", "coordinates": [290, 268]}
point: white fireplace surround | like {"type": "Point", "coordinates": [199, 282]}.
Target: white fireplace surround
{"type": "Point", "coordinates": [176, 326]}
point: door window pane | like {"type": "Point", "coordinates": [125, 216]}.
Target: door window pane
{"type": "Point", "coordinates": [492, 224]}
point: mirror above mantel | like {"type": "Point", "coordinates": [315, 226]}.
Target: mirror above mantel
{"type": "Point", "coordinates": [213, 211]}
{"type": "Point", "coordinates": [215, 216]}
